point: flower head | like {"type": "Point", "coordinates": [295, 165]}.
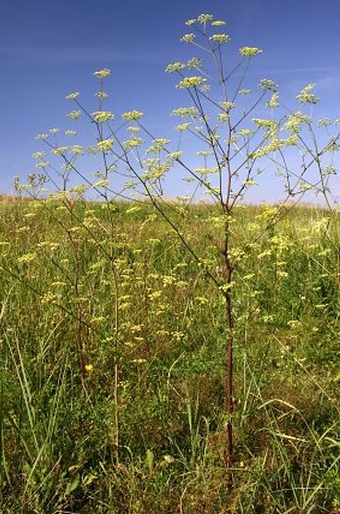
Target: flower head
{"type": "Point", "coordinates": [101, 74]}
{"type": "Point", "coordinates": [250, 51]}
{"type": "Point", "coordinates": [188, 38]}
{"type": "Point", "coordinates": [132, 115]}
{"type": "Point", "coordinates": [188, 82]}
{"type": "Point", "coordinates": [72, 96]}
{"type": "Point", "coordinates": [102, 116]}
{"type": "Point", "coordinates": [306, 96]}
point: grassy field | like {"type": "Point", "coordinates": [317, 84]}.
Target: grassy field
{"type": "Point", "coordinates": [113, 348]}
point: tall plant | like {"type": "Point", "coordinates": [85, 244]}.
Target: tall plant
{"type": "Point", "coordinates": [236, 139]}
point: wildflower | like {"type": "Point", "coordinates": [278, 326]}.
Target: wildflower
{"type": "Point", "coordinates": [270, 125]}
{"type": "Point", "coordinates": [201, 300]}
{"type": "Point", "coordinates": [268, 85]}
{"type": "Point", "coordinates": [204, 18]}
{"type": "Point", "coordinates": [325, 122]}
{"type": "Point", "coordinates": [168, 459]}
{"type": "Point", "coordinates": [173, 67]}
{"type": "Point", "coordinates": [101, 94]}
{"type": "Point", "coordinates": [88, 367]}
{"type": "Point", "coordinates": [80, 190]}
{"type": "Point", "coordinates": [42, 164]}
{"type": "Point", "coordinates": [132, 143]}
{"type": "Point", "coordinates": [249, 182]}
{"type": "Point", "coordinates": [102, 116]}
{"type": "Point", "coordinates": [132, 115]}
{"type": "Point", "coordinates": [27, 257]}
{"type": "Point", "coordinates": [306, 96]}
{"type": "Point", "coordinates": [227, 106]}
{"type": "Point", "coordinates": [188, 38]}
{"type": "Point", "coordinates": [101, 74]}
{"type": "Point", "coordinates": [155, 295]}
{"type": "Point", "coordinates": [245, 132]}
{"type": "Point", "coordinates": [134, 208]}
{"type": "Point", "coordinates": [329, 170]}
{"type": "Point", "coordinates": [38, 155]}
{"type": "Point", "coordinates": [274, 101]}
{"type": "Point", "coordinates": [105, 145]}
{"type": "Point", "coordinates": [72, 96]}
{"type": "Point", "coordinates": [183, 127]}
{"type": "Point", "coordinates": [188, 82]}
{"type": "Point", "coordinates": [205, 171]}
{"type": "Point", "coordinates": [194, 62]}
{"type": "Point", "coordinates": [223, 117]}
{"type": "Point", "coordinates": [59, 150]}
{"type": "Point", "coordinates": [295, 120]}
{"type": "Point", "coordinates": [175, 155]}
{"type": "Point", "coordinates": [161, 141]}
{"type": "Point", "coordinates": [102, 183]}
{"type": "Point", "coordinates": [264, 150]}
{"type": "Point", "coordinates": [220, 38]}
{"type": "Point", "coordinates": [248, 51]}
{"type": "Point", "coordinates": [204, 153]}
{"type": "Point", "coordinates": [76, 149]}
{"type": "Point", "coordinates": [185, 112]}
{"type": "Point", "coordinates": [73, 115]}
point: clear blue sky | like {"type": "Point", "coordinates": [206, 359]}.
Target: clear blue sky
{"type": "Point", "coordinates": [50, 48]}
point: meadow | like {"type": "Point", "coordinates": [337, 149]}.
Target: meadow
{"type": "Point", "coordinates": [113, 348]}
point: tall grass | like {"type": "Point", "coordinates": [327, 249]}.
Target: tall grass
{"type": "Point", "coordinates": [112, 344]}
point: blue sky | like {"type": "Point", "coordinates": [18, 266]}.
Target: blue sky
{"type": "Point", "coordinates": [48, 49]}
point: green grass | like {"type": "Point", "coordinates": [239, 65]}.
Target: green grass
{"type": "Point", "coordinates": [112, 352]}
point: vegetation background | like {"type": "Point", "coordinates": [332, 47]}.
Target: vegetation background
{"type": "Point", "coordinates": [88, 290]}
{"type": "Point", "coordinates": [173, 355]}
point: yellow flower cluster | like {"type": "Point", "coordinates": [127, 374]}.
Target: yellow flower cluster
{"type": "Point", "coordinates": [220, 38]}
{"type": "Point", "coordinates": [306, 96]}
{"type": "Point", "coordinates": [102, 116]}
{"type": "Point", "coordinates": [105, 145]}
{"type": "Point", "coordinates": [189, 82]}
{"type": "Point", "coordinates": [101, 74]}
{"type": "Point", "coordinates": [250, 51]}
{"type": "Point", "coordinates": [132, 115]}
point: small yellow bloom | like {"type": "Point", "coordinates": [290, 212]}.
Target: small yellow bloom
{"type": "Point", "coordinates": [220, 38]}
{"type": "Point", "coordinates": [72, 96]}
{"type": "Point", "coordinates": [73, 115]}
{"type": "Point", "coordinates": [248, 51]}
{"type": "Point", "coordinates": [218, 23]}
{"type": "Point", "coordinates": [88, 367]}
{"type": "Point", "coordinates": [132, 115]}
{"type": "Point", "coordinates": [61, 150]}
{"type": "Point", "coordinates": [102, 116]}
{"type": "Point", "coordinates": [188, 82]}
{"type": "Point", "coordinates": [101, 74]}
{"type": "Point", "coordinates": [188, 38]}
{"type": "Point", "coordinates": [27, 257]}
{"type": "Point", "coordinates": [38, 155]}
{"type": "Point", "coordinates": [104, 145]}
{"type": "Point", "coordinates": [306, 96]}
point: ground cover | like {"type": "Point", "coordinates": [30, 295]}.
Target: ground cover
{"type": "Point", "coordinates": [113, 341]}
